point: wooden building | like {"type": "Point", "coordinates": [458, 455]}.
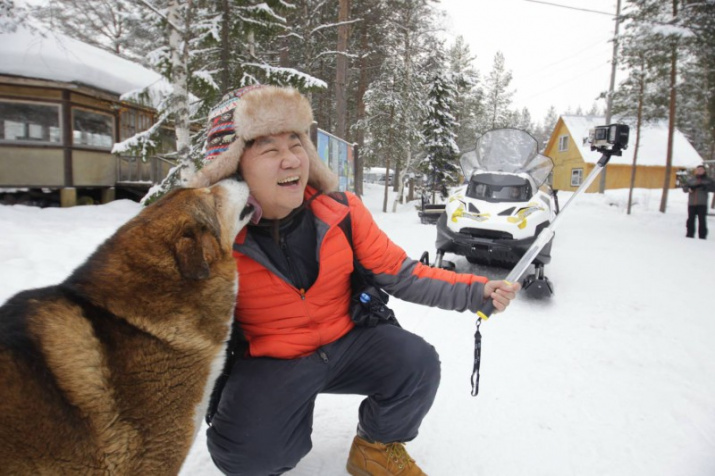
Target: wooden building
{"type": "Point", "coordinates": [573, 158]}
{"type": "Point", "coordinates": [61, 112]}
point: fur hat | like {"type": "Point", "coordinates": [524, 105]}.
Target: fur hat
{"type": "Point", "coordinates": [251, 112]}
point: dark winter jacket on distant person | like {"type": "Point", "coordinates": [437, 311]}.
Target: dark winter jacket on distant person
{"type": "Point", "coordinates": [698, 188]}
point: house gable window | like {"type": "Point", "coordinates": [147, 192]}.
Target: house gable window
{"type": "Point", "coordinates": [29, 123]}
{"type": "Point", "coordinates": [576, 177]}
{"type": "Point", "coordinates": [563, 143]}
{"type": "Point", "coordinates": [92, 129]}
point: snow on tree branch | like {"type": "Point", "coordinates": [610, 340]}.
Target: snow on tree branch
{"type": "Point", "coordinates": [306, 79]}
{"type": "Point", "coordinates": [332, 25]}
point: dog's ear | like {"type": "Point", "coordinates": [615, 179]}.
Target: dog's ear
{"type": "Point", "coordinates": [194, 254]}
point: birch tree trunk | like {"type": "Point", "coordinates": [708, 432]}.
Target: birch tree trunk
{"type": "Point", "coordinates": [179, 102]}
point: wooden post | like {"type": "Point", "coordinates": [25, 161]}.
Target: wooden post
{"type": "Point", "coordinates": [68, 197]}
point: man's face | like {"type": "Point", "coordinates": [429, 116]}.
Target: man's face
{"type": "Point", "coordinates": [700, 170]}
{"type": "Point", "coordinates": [276, 169]}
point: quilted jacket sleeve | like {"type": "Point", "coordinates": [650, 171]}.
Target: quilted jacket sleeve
{"type": "Point", "coordinates": [404, 277]}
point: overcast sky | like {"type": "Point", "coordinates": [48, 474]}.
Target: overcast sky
{"type": "Point", "coordinates": [557, 56]}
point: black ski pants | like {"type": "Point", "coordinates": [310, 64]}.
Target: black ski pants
{"type": "Point", "coordinates": [265, 417]}
{"type": "Point", "coordinates": [701, 212]}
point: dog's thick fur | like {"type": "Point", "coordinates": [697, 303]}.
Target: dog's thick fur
{"type": "Point", "coordinates": [110, 371]}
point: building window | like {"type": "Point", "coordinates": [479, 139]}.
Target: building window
{"type": "Point", "coordinates": [25, 122]}
{"type": "Point", "coordinates": [576, 177]}
{"type": "Point", "coordinates": [563, 143]}
{"type": "Point", "coordinates": [92, 129]}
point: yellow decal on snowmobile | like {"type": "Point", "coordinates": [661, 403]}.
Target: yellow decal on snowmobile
{"type": "Point", "coordinates": [456, 197]}
{"type": "Point", "coordinates": [460, 213]}
{"type": "Point", "coordinates": [520, 218]}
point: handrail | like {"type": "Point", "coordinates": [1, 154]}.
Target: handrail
{"type": "Point", "coordinates": [132, 169]}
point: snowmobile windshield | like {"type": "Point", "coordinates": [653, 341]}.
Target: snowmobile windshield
{"type": "Point", "coordinates": [499, 188]}
{"type": "Point", "coordinates": [507, 150]}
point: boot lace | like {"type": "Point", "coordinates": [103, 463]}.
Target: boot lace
{"type": "Point", "coordinates": [397, 454]}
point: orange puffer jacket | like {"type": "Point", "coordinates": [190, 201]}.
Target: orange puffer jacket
{"type": "Point", "coordinates": [281, 321]}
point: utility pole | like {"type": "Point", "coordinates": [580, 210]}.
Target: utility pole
{"type": "Point", "coordinates": [671, 115]}
{"type": "Point", "coordinates": [609, 98]}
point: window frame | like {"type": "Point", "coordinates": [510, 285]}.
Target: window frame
{"type": "Point", "coordinates": [563, 143]}
{"type": "Point", "coordinates": [43, 143]}
{"type": "Point", "coordinates": [577, 172]}
{"type": "Point", "coordinates": [100, 113]}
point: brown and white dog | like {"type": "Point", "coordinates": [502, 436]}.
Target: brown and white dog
{"type": "Point", "coordinates": [110, 371]}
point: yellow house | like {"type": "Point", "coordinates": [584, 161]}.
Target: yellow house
{"type": "Point", "coordinates": [573, 158]}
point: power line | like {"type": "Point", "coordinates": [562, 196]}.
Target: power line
{"type": "Point", "coordinates": [570, 7]}
{"type": "Point", "coordinates": [545, 68]}
{"type": "Point", "coordinates": [571, 79]}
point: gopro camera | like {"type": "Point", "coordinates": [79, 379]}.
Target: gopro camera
{"type": "Point", "coordinates": [612, 138]}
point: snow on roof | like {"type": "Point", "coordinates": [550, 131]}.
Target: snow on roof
{"type": "Point", "coordinates": [653, 146]}
{"type": "Point", "coordinates": [54, 56]}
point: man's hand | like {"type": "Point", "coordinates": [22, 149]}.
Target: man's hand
{"type": "Point", "coordinates": [501, 293]}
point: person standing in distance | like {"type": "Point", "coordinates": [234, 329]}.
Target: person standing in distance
{"type": "Point", "coordinates": [697, 188]}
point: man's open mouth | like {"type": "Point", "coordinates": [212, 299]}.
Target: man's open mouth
{"type": "Point", "coordinates": [289, 181]}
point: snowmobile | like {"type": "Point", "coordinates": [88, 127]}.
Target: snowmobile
{"type": "Point", "coordinates": [497, 214]}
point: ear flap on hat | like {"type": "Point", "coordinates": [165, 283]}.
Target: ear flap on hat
{"type": "Point", "coordinates": [320, 176]}
{"type": "Point", "coordinates": [224, 165]}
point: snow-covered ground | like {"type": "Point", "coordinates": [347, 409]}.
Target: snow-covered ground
{"type": "Point", "coordinates": [615, 375]}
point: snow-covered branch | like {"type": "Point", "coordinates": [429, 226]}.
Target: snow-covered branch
{"type": "Point", "coordinates": [332, 25]}
{"type": "Point", "coordinates": [163, 16]}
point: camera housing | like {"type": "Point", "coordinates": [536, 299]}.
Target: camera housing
{"type": "Point", "coordinates": [611, 138]}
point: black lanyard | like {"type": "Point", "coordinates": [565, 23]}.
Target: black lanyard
{"type": "Point", "coordinates": [477, 359]}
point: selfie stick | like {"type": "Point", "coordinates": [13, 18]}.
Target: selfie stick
{"type": "Point", "coordinates": [541, 240]}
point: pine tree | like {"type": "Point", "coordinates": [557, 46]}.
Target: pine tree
{"type": "Point", "coordinates": [400, 83]}
{"type": "Point", "coordinates": [370, 49]}
{"type": "Point", "coordinates": [546, 128]}
{"type": "Point", "coordinates": [439, 134]}
{"type": "Point", "coordinates": [384, 121]}
{"type": "Point", "coordinates": [497, 95]}
{"type": "Point", "coordinates": [210, 48]}
{"type": "Point", "coordinates": [632, 95]}
{"type": "Point", "coordinates": [468, 94]}
{"type": "Point", "coordinates": [659, 22]}
{"type": "Point", "coordinates": [523, 121]}
{"type": "Point", "coordinates": [697, 115]}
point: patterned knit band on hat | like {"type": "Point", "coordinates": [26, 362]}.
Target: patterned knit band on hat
{"type": "Point", "coordinates": [221, 129]}
{"type": "Point", "coordinates": [258, 111]}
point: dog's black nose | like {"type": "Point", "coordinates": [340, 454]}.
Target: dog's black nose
{"type": "Point", "coordinates": [238, 176]}
{"type": "Point", "coordinates": [246, 210]}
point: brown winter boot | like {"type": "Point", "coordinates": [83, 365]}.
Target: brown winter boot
{"type": "Point", "coordinates": [377, 459]}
